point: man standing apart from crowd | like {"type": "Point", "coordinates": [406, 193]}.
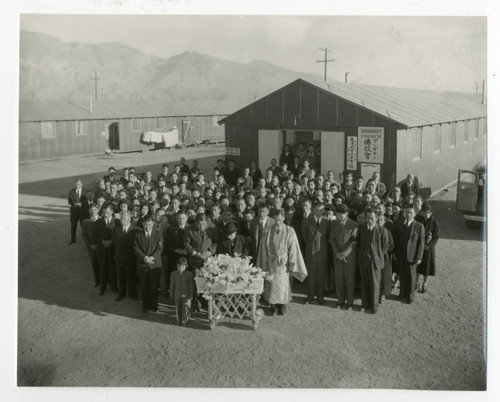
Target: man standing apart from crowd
{"type": "Point", "coordinates": [148, 246]}
{"type": "Point", "coordinates": [409, 242]}
{"type": "Point", "coordinates": [279, 254]}
{"type": "Point", "coordinates": [75, 204]}
{"type": "Point", "coordinates": [315, 231]}
{"type": "Point", "coordinates": [373, 245]}
{"type": "Point", "coordinates": [343, 234]}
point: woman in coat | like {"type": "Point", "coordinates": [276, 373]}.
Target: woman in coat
{"type": "Point", "coordinates": [428, 265]}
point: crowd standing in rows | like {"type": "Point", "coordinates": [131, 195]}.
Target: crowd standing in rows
{"type": "Point", "coordinates": [290, 219]}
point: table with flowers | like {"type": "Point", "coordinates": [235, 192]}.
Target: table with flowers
{"type": "Point", "coordinates": [232, 287]}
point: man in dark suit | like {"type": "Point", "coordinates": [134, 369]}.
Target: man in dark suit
{"type": "Point", "coordinates": [233, 243]}
{"type": "Point", "coordinates": [315, 231]}
{"type": "Point", "coordinates": [226, 219]}
{"type": "Point", "coordinates": [200, 241]}
{"type": "Point", "coordinates": [232, 173]}
{"type": "Point", "coordinates": [89, 234]}
{"type": "Point", "coordinates": [409, 244]}
{"type": "Point", "coordinates": [255, 173]}
{"type": "Point", "coordinates": [148, 247]}
{"type": "Point", "coordinates": [373, 244]}
{"type": "Point", "coordinates": [123, 239]}
{"type": "Point", "coordinates": [174, 243]}
{"type": "Point", "coordinates": [86, 201]}
{"type": "Point", "coordinates": [343, 234]}
{"type": "Point", "coordinates": [106, 250]}
{"type": "Point", "coordinates": [257, 227]}
{"type": "Point", "coordinates": [314, 159]}
{"type": "Point", "coordinates": [75, 203]}
{"type": "Point", "coordinates": [287, 156]}
{"type": "Point", "coordinates": [411, 185]}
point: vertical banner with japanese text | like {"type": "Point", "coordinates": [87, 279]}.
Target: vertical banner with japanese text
{"type": "Point", "coordinates": [371, 144]}
{"type": "Point", "coordinates": [352, 153]}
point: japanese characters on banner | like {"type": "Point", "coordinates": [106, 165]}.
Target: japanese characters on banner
{"type": "Point", "coordinates": [352, 152]}
{"type": "Point", "coordinates": [371, 144]}
{"type": "Point", "coordinates": [232, 151]}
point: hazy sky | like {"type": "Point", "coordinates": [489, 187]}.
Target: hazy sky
{"type": "Point", "coordinates": [447, 53]}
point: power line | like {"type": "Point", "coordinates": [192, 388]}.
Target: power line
{"type": "Point", "coordinates": [326, 61]}
{"type": "Point", "coordinates": [95, 82]}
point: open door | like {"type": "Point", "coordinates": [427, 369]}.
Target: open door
{"type": "Point", "coordinates": [333, 153]}
{"type": "Point", "coordinates": [467, 191]}
{"type": "Point", "coordinates": [114, 136]}
{"type": "Point", "coordinates": [270, 146]}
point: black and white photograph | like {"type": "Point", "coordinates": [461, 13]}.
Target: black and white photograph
{"type": "Point", "coordinates": [251, 199]}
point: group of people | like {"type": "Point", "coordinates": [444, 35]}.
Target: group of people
{"type": "Point", "coordinates": [291, 220]}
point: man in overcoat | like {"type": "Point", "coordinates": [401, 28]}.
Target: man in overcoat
{"type": "Point", "coordinates": [315, 232]}
{"type": "Point", "coordinates": [148, 246]}
{"type": "Point", "coordinates": [409, 243]}
{"type": "Point", "coordinates": [343, 234]}
{"type": "Point", "coordinates": [373, 244]}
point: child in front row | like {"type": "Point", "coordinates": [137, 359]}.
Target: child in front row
{"type": "Point", "coordinates": [181, 289]}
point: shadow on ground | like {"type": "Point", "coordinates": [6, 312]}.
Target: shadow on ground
{"type": "Point", "coordinates": [60, 187]}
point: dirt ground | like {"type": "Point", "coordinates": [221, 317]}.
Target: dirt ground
{"type": "Point", "coordinates": [70, 336]}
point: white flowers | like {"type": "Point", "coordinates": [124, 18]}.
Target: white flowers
{"type": "Point", "coordinates": [230, 271]}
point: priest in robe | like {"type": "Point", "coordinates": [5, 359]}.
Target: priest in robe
{"type": "Point", "coordinates": [280, 255]}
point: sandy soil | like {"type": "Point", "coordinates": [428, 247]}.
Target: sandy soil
{"type": "Point", "coordinates": [69, 336]}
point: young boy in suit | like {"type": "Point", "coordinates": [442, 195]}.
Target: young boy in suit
{"type": "Point", "coordinates": [181, 289]}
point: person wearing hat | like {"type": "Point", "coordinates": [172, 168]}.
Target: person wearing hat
{"type": "Point", "coordinates": [343, 233]}
{"type": "Point", "coordinates": [233, 243]}
{"type": "Point", "coordinates": [428, 265]}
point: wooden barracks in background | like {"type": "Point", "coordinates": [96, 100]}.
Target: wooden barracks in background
{"type": "Point", "coordinates": [363, 128]}
{"type": "Point", "coordinates": [57, 128]}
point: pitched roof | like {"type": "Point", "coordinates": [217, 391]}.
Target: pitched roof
{"type": "Point", "coordinates": [408, 107]}
{"type": "Point", "coordinates": [411, 107]}
{"type": "Point", "coordinates": [50, 110]}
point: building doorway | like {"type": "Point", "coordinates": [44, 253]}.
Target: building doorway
{"type": "Point", "coordinates": [114, 136]}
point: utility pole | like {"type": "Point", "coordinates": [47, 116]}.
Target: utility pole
{"type": "Point", "coordinates": [95, 82]}
{"type": "Point", "coordinates": [326, 61]}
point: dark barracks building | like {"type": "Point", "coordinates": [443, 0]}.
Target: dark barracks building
{"type": "Point", "coordinates": [364, 128]}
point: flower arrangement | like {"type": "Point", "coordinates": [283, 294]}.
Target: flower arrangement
{"type": "Point", "coordinates": [230, 272]}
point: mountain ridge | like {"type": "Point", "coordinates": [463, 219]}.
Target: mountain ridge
{"type": "Point", "coordinates": [51, 68]}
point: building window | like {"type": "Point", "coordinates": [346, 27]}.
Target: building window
{"type": "Point", "coordinates": [81, 127]}
{"type": "Point", "coordinates": [136, 124]}
{"type": "Point", "coordinates": [48, 129]}
{"type": "Point", "coordinates": [466, 131]}
{"type": "Point", "coordinates": [436, 137]}
{"type": "Point", "coordinates": [417, 142]}
{"type": "Point", "coordinates": [453, 134]}
{"type": "Point", "coordinates": [159, 123]}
